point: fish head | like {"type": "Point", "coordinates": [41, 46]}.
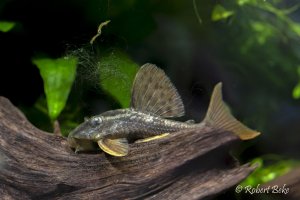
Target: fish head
{"type": "Point", "coordinates": [88, 130]}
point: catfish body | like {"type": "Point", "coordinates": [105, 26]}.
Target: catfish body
{"type": "Point", "coordinates": [154, 100]}
{"type": "Point", "coordinates": [123, 123]}
{"type": "Point", "coordinates": [127, 123]}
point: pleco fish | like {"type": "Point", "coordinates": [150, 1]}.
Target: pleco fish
{"type": "Point", "coordinates": [153, 100]}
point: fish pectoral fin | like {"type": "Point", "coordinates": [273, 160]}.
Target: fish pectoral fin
{"type": "Point", "coordinates": [219, 116]}
{"type": "Point", "coordinates": [153, 92]}
{"type": "Point", "coordinates": [152, 138]}
{"type": "Point", "coordinates": [115, 147]}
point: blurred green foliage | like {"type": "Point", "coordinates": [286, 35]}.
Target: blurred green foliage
{"type": "Point", "coordinates": [269, 168]}
{"type": "Point", "coordinates": [58, 76]}
{"type": "Point", "coordinates": [6, 26]}
{"type": "Point", "coordinates": [219, 13]}
{"type": "Point", "coordinates": [117, 72]}
{"type": "Point", "coordinates": [262, 46]}
{"type": "Point", "coordinates": [266, 29]}
{"type": "Point", "coordinates": [296, 90]}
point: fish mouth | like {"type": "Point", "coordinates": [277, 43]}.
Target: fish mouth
{"type": "Point", "coordinates": [80, 139]}
{"type": "Point", "coordinates": [82, 145]}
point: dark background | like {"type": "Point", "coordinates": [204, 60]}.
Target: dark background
{"type": "Point", "coordinates": [258, 75]}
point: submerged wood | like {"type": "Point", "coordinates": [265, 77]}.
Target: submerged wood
{"type": "Point", "coordinates": [187, 165]}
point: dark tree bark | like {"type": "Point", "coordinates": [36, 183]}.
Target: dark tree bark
{"type": "Point", "coordinates": [187, 165]}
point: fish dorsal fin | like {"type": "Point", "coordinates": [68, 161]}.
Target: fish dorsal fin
{"type": "Point", "coordinates": [219, 116]}
{"type": "Point", "coordinates": [153, 92]}
{"type": "Point", "coordinates": [115, 147]}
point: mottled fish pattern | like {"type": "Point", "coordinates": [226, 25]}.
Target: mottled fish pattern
{"type": "Point", "coordinates": [154, 100]}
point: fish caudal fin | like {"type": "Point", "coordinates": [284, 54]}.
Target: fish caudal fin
{"type": "Point", "coordinates": [218, 115]}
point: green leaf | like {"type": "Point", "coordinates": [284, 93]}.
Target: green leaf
{"type": "Point", "coordinates": [263, 31]}
{"type": "Point", "coordinates": [295, 27]}
{"type": "Point", "coordinates": [58, 76]}
{"type": "Point", "coordinates": [219, 13]}
{"type": "Point", "coordinates": [6, 26]}
{"type": "Point", "coordinates": [117, 72]}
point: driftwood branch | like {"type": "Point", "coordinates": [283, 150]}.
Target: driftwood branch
{"type": "Point", "coordinates": [187, 165]}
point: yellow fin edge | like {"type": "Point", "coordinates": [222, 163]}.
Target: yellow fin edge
{"type": "Point", "coordinates": [114, 147]}
{"type": "Point", "coordinates": [152, 138]}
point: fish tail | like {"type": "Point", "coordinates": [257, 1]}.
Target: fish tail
{"type": "Point", "coordinates": [218, 115]}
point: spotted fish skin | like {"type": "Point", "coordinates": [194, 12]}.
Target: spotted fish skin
{"type": "Point", "coordinates": [154, 100]}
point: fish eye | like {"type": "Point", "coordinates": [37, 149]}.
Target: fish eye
{"type": "Point", "coordinates": [95, 121]}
